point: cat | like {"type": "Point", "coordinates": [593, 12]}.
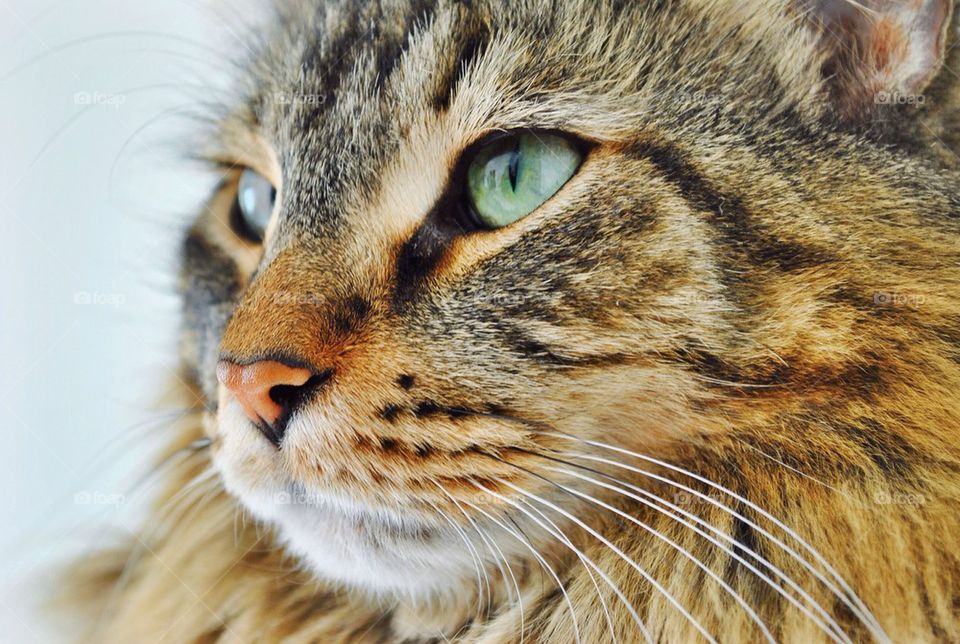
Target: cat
{"type": "Point", "coordinates": [567, 322]}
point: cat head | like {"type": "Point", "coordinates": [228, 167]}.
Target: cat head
{"type": "Point", "coordinates": [455, 241]}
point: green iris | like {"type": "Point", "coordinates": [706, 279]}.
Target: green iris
{"type": "Point", "coordinates": [513, 175]}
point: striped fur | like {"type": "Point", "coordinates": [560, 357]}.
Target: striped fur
{"type": "Point", "coordinates": [748, 279]}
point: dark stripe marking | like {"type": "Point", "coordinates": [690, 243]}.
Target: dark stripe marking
{"type": "Point", "coordinates": [349, 314]}
{"type": "Point", "coordinates": [744, 235]}
{"type": "Point", "coordinates": [471, 49]}
{"type": "Point", "coordinates": [535, 350]}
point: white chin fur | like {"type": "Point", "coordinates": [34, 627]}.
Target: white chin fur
{"type": "Point", "coordinates": [366, 549]}
{"type": "Point", "coordinates": [375, 557]}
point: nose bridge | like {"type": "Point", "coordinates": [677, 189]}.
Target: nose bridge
{"type": "Point", "coordinates": [301, 309]}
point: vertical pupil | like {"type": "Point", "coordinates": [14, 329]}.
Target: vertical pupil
{"type": "Point", "coordinates": [514, 162]}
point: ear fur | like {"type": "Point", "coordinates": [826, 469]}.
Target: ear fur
{"type": "Point", "coordinates": [875, 53]}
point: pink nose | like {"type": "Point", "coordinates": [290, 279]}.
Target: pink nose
{"type": "Point", "coordinates": [264, 389]}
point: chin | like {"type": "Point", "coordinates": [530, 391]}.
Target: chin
{"type": "Point", "coordinates": [375, 554]}
{"type": "Point", "coordinates": [364, 547]}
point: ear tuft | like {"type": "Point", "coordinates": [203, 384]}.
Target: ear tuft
{"type": "Point", "coordinates": [878, 52]}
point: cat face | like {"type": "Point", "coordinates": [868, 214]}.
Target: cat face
{"type": "Point", "coordinates": [390, 363]}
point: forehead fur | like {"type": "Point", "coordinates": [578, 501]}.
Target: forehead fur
{"type": "Point", "coordinates": [337, 86]}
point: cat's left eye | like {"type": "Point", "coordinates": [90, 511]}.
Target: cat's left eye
{"type": "Point", "coordinates": [253, 207]}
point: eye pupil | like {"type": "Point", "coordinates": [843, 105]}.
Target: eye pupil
{"type": "Point", "coordinates": [512, 168]}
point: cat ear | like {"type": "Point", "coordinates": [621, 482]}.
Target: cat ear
{"type": "Point", "coordinates": [877, 51]}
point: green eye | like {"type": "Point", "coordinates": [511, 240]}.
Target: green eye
{"type": "Point", "coordinates": [512, 176]}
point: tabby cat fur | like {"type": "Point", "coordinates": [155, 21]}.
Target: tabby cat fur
{"type": "Point", "coordinates": [710, 390]}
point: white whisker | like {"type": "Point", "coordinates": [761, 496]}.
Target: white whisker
{"type": "Point", "coordinates": [475, 556]}
{"type": "Point", "coordinates": [746, 549]}
{"type": "Point", "coordinates": [732, 553]}
{"type": "Point", "coordinates": [491, 545]}
{"type": "Point", "coordinates": [686, 553]}
{"type": "Point", "coordinates": [565, 540]}
{"type": "Point", "coordinates": [848, 597]}
{"type": "Point", "coordinates": [543, 562]}
{"type": "Point", "coordinates": [555, 532]}
{"type": "Point", "coordinates": [583, 557]}
{"type": "Point", "coordinates": [650, 579]}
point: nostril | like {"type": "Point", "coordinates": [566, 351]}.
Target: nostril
{"type": "Point", "coordinates": [291, 397]}
{"type": "Point", "coordinates": [270, 391]}
{"type": "Point", "coordinates": [285, 395]}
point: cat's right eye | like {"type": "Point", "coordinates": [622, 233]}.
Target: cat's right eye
{"type": "Point", "coordinates": [253, 206]}
{"type": "Point", "coordinates": [513, 175]}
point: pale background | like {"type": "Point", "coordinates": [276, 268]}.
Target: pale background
{"type": "Point", "coordinates": [93, 198]}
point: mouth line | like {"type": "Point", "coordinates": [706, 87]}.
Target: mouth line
{"type": "Point", "coordinates": [268, 431]}
{"type": "Point", "coordinates": [365, 521]}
